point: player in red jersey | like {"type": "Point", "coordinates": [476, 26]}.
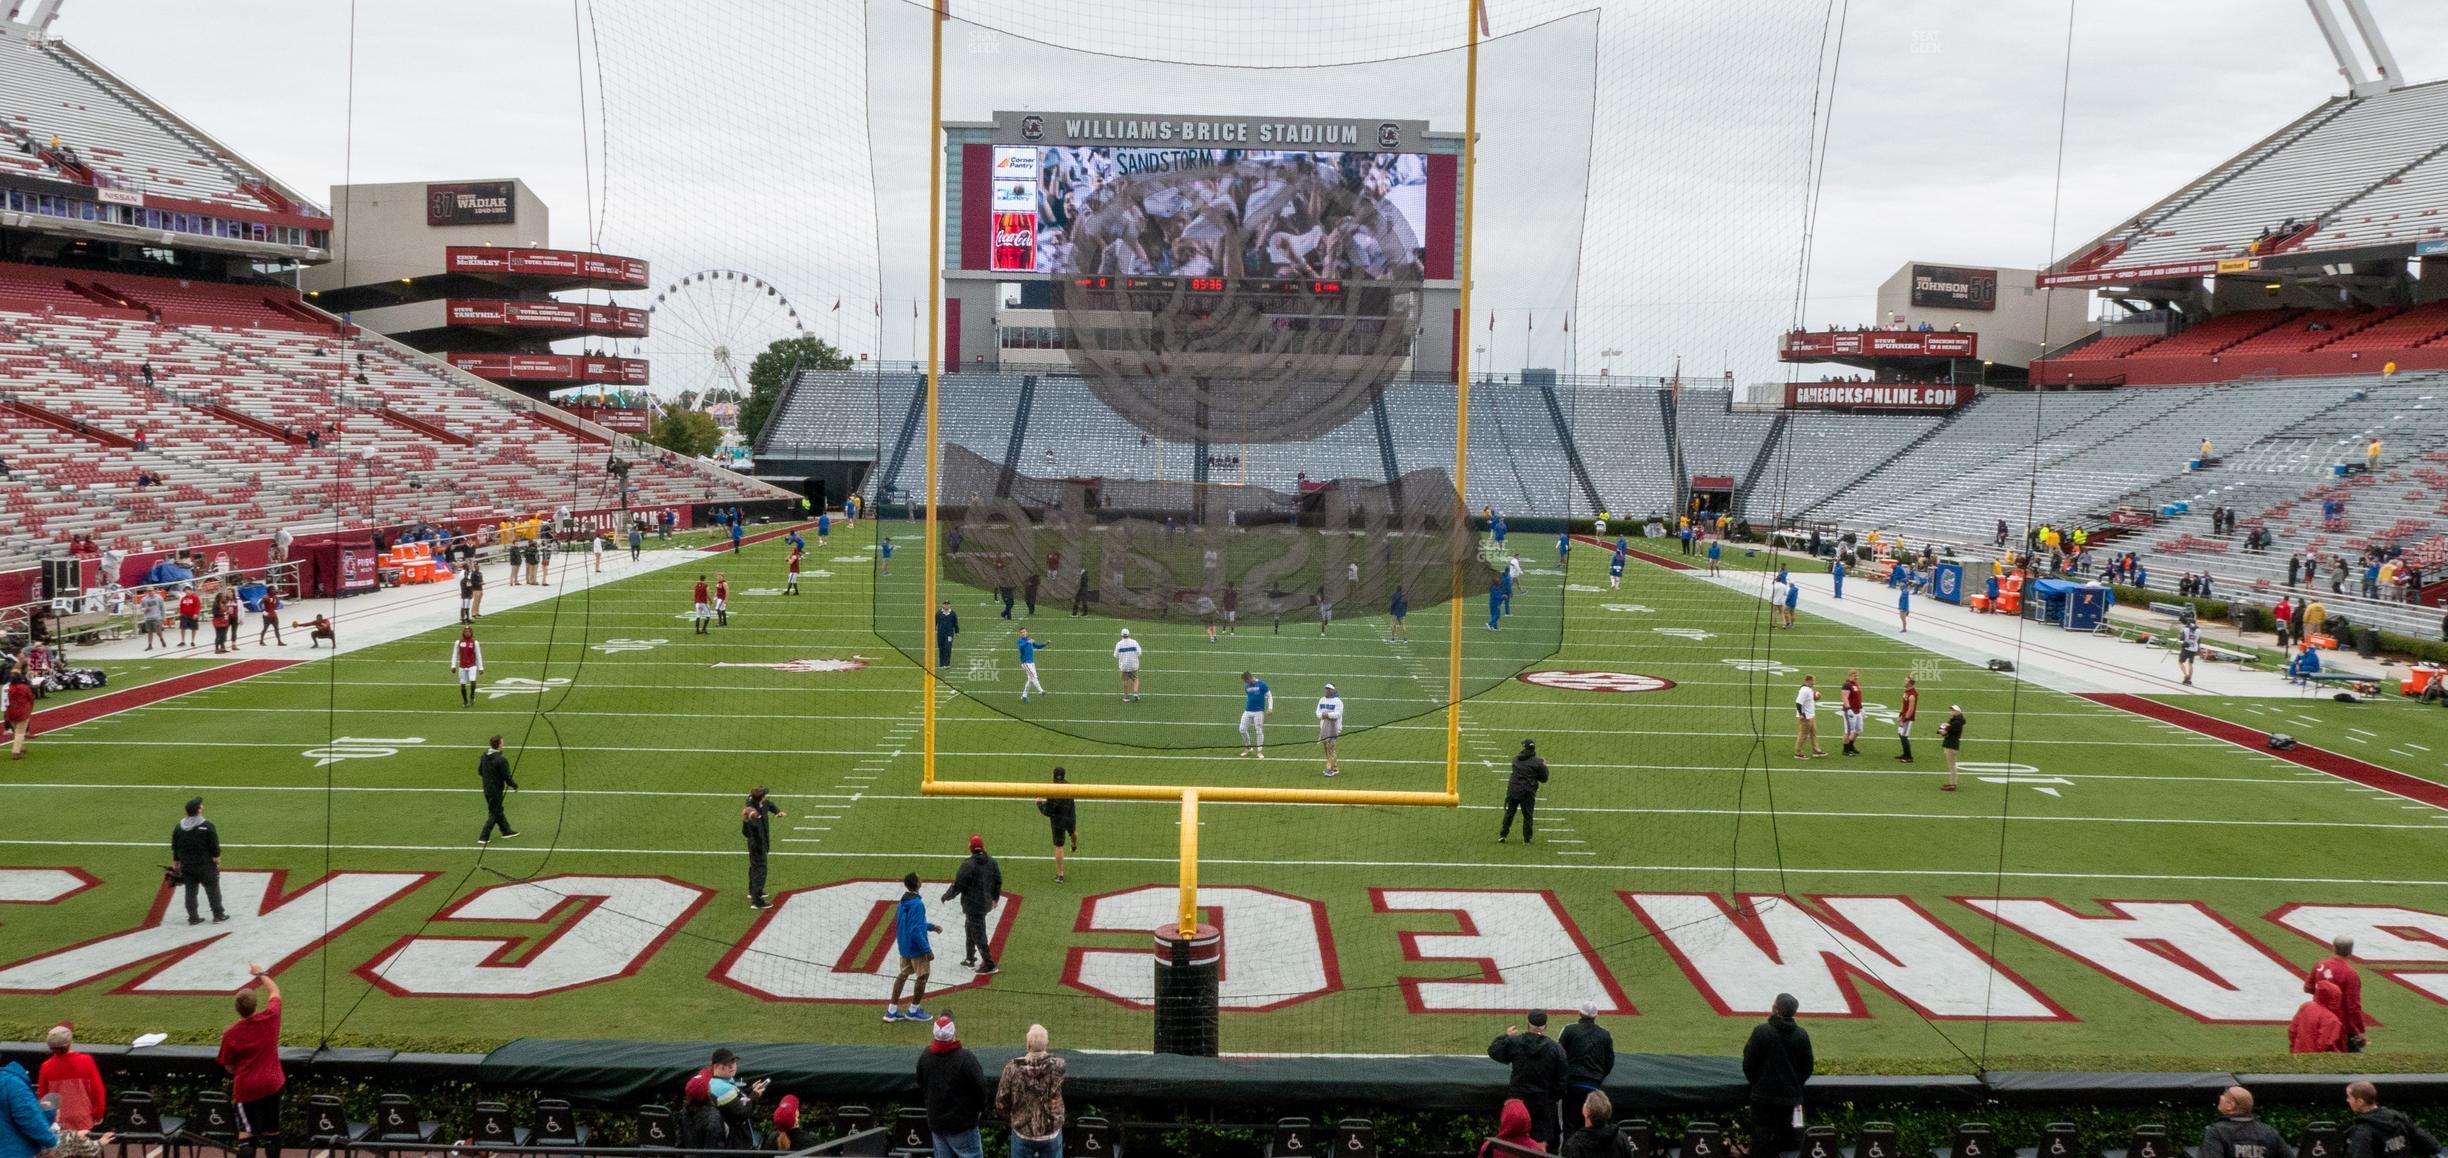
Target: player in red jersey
{"type": "Point", "coordinates": [705, 605]}
{"type": "Point", "coordinates": [790, 585]}
{"type": "Point", "coordinates": [467, 662]}
{"type": "Point", "coordinates": [722, 600]}
{"type": "Point", "coordinates": [1852, 711]}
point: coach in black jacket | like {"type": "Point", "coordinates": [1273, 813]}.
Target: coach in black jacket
{"type": "Point", "coordinates": [1521, 791]}
{"type": "Point", "coordinates": [978, 884]}
{"type": "Point", "coordinates": [493, 770]}
{"type": "Point", "coordinates": [195, 848]}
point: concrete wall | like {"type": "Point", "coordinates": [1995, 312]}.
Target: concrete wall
{"type": "Point", "coordinates": [2011, 333]}
{"type": "Point", "coordinates": [387, 238]}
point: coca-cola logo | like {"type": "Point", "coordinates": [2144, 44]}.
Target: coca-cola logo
{"type": "Point", "coordinates": [1014, 245]}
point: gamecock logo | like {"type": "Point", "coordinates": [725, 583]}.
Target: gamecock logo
{"type": "Point", "coordinates": [1596, 681]}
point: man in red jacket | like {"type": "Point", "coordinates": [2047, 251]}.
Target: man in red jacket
{"type": "Point", "coordinates": [19, 714]}
{"type": "Point", "coordinates": [72, 1075]}
{"type": "Point", "coordinates": [2339, 971]}
{"type": "Point", "coordinates": [250, 1051]}
{"type": "Point", "coordinates": [2317, 1028]}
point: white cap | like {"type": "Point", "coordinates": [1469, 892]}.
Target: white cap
{"type": "Point", "coordinates": [1126, 633]}
{"type": "Point", "coordinates": [1330, 687]}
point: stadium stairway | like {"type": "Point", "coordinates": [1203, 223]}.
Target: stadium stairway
{"type": "Point", "coordinates": [1572, 448]}
{"type": "Point", "coordinates": [891, 473]}
{"type": "Point", "coordinates": [1385, 440]}
{"type": "Point", "coordinates": [1766, 455]}
{"type": "Point", "coordinates": [1019, 435]}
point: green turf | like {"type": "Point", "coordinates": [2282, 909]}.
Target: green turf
{"type": "Point", "coordinates": [1689, 789]}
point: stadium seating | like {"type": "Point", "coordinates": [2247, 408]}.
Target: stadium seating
{"type": "Point", "coordinates": [125, 139]}
{"type": "Point", "coordinates": [232, 392]}
{"type": "Point", "coordinates": [1622, 434]}
{"type": "Point", "coordinates": [2278, 482]}
{"type": "Point", "coordinates": [2058, 456]}
{"type": "Point", "coordinates": [1515, 461]}
{"type": "Point", "coordinates": [2349, 166]}
{"type": "Point", "coordinates": [1823, 452]}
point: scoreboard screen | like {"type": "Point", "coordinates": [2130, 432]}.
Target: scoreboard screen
{"type": "Point", "coordinates": [1209, 215]}
{"type": "Point", "coordinates": [1210, 294]}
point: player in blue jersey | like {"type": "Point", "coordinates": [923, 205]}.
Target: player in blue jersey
{"type": "Point", "coordinates": [1257, 703]}
{"type": "Point", "coordinates": [1499, 590]}
{"type": "Point", "coordinates": [1564, 550]}
{"type": "Point", "coordinates": [1400, 607]}
{"type": "Point", "coordinates": [1615, 566]}
{"type": "Point", "coordinates": [1713, 551]}
{"type": "Point", "coordinates": [1028, 666]}
{"type": "Point", "coordinates": [884, 550]}
{"type": "Point", "coordinates": [824, 527]}
{"type": "Point", "coordinates": [1904, 608]}
{"type": "Point", "coordinates": [1836, 574]}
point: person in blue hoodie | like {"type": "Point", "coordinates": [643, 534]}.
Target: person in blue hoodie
{"type": "Point", "coordinates": [25, 1127]}
{"type": "Point", "coordinates": [910, 929]}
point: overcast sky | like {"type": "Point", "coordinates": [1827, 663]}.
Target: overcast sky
{"type": "Point", "coordinates": [737, 135]}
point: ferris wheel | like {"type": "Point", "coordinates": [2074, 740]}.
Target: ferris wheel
{"type": "Point", "coordinates": [705, 328]}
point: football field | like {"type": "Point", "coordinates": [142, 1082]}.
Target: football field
{"type": "Point", "coordinates": [2106, 890]}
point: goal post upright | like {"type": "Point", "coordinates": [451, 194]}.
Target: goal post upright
{"type": "Point", "coordinates": [1462, 361]}
{"type": "Point", "coordinates": [934, 353]}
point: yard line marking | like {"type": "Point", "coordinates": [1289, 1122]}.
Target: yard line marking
{"type": "Point", "coordinates": [2360, 731]}
{"type": "Point", "coordinates": [2416, 747]}
{"type": "Point", "coordinates": [1568, 853]}
{"type": "Point", "coordinates": [1719, 869]}
{"type": "Point", "coordinates": [2355, 740]}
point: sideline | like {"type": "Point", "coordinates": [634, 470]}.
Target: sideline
{"type": "Point", "coordinates": [93, 708]}
{"type": "Point", "coordinates": [2321, 760]}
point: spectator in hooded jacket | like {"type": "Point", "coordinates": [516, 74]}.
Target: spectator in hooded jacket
{"type": "Point", "coordinates": [2382, 1133]}
{"type": "Point", "coordinates": [25, 1127]}
{"type": "Point", "coordinates": [1029, 1096]}
{"type": "Point", "coordinates": [72, 1075]}
{"type": "Point", "coordinates": [2317, 1028]}
{"type": "Point", "coordinates": [1538, 1074]}
{"type": "Point", "coordinates": [2237, 1134]}
{"type": "Point", "coordinates": [954, 1091]}
{"type": "Point", "coordinates": [2339, 970]}
{"type": "Point", "coordinates": [1777, 1062]}
{"type": "Point", "coordinates": [1589, 1054]}
{"type": "Point", "coordinates": [1512, 1128]}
